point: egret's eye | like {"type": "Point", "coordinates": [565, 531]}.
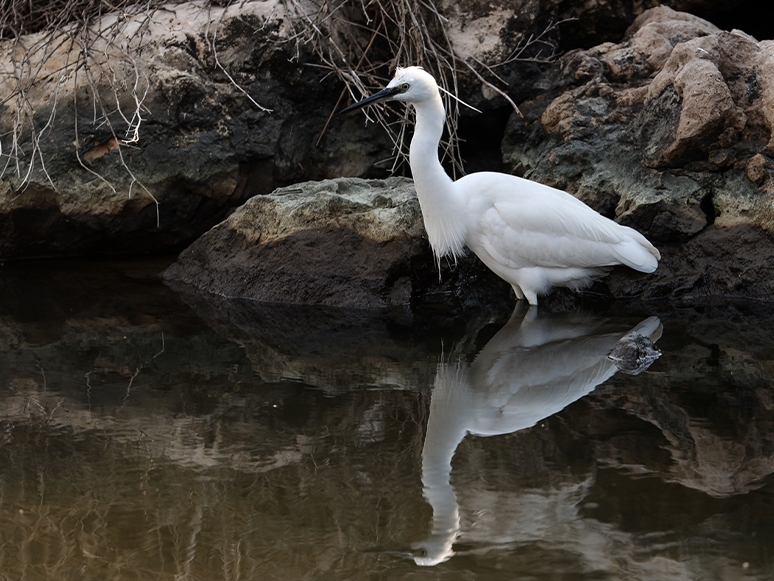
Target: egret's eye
{"type": "Point", "coordinates": [404, 87]}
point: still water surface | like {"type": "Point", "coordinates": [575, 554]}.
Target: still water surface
{"type": "Point", "coordinates": [153, 435]}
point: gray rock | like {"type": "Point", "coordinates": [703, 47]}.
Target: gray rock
{"type": "Point", "coordinates": [333, 242]}
{"type": "Point", "coordinates": [344, 242]}
{"type": "Point", "coordinates": [634, 353]}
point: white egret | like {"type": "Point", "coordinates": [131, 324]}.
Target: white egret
{"type": "Point", "coordinates": [533, 236]}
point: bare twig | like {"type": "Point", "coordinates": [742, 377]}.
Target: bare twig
{"type": "Point", "coordinates": [214, 48]}
{"type": "Point", "coordinates": [97, 41]}
{"type": "Point", "coordinates": [343, 34]}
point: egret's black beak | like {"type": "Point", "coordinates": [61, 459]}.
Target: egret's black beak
{"type": "Point", "coordinates": [382, 95]}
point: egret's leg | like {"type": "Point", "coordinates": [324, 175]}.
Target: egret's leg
{"type": "Point", "coordinates": [531, 296]}
{"type": "Point", "coordinates": [517, 291]}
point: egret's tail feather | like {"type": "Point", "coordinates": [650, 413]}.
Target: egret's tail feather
{"type": "Point", "coordinates": [637, 253]}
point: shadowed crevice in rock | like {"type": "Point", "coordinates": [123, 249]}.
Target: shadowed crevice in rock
{"type": "Point", "coordinates": [708, 207]}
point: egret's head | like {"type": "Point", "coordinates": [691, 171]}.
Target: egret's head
{"type": "Point", "coordinates": [410, 84]}
{"type": "Point", "coordinates": [413, 85]}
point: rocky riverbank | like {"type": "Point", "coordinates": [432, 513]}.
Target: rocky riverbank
{"type": "Point", "coordinates": [665, 126]}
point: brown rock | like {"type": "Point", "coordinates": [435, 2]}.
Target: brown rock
{"type": "Point", "coordinates": [669, 132]}
{"type": "Point", "coordinates": [759, 169]}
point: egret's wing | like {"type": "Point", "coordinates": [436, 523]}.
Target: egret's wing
{"type": "Point", "coordinates": [524, 223]}
{"type": "Point", "coordinates": [550, 236]}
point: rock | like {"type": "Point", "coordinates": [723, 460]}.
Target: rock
{"type": "Point", "coordinates": [669, 132]}
{"type": "Point", "coordinates": [344, 242]}
{"type": "Point", "coordinates": [192, 147]}
{"type": "Point", "coordinates": [634, 353]}
{"type": "Point", "coordinates": [327, 243]}
{"type": "Point", "coordinates": [596, 21]}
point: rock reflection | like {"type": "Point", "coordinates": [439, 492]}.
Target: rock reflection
{"type": "Point", "coordinates": [531, 369]}
{"type": "Point", "coordinates": [145, 437]}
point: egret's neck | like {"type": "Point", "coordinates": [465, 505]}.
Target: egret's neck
{"type": "Point", "coordinates": [442, 205]}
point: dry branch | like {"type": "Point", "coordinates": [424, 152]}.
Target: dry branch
{"type": "Point", "coordinates": [83, 47]}
{"type": "Point", "coordinates": [344, 33]}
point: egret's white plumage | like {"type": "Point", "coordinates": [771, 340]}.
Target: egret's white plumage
{"type": "Point", "coordinates": [533, 236]}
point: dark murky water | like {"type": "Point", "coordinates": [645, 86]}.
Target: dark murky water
{"type": "Point", "coordinates": [148, 435]}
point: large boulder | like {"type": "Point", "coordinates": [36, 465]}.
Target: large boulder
{"type": "Point", "coordinates": [344, 242]}
{"type": "Point", "coordinates": [669, 131]}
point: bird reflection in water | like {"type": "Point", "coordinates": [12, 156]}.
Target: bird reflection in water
{"type": "Point", "coordinates": [531, 369]}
